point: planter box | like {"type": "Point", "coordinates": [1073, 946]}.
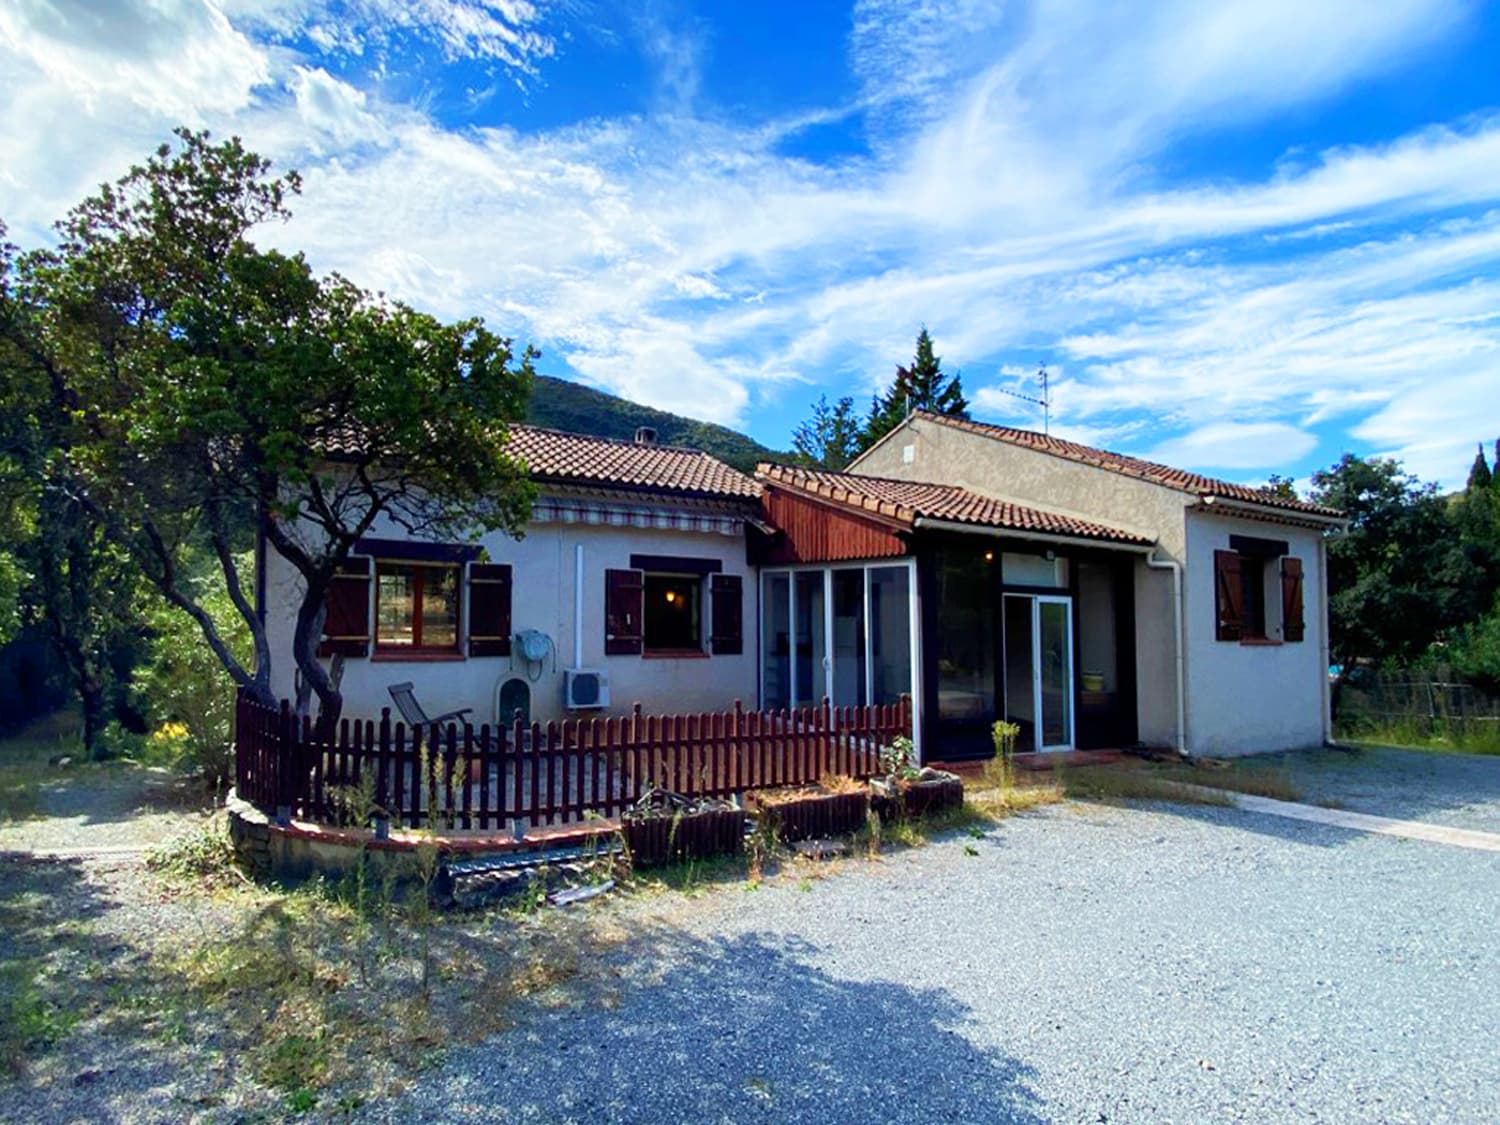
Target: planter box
{"type": "Point", "coordinates": [660, 838]}
{"type": "Point", "coordinates": [808, 814]}
{"type": "Point", "coordinates": [921, 798]}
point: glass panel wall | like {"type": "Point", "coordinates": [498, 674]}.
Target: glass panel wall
{"type": "Point", "coordinates": [1096, 628]}
{"type": "Point", "coordinates": [850, 680]}
{"type": "Point", "coordinates": [890, 633]}
{"type": "Point", "coordinates": [965, 635]}
{"type": "Point", "coordinates": [776, 641]}
{"type": "Point", "coordinates": [1020, 670]}
{"type": "Point", "coordinates": [811, 633]}
{"type": "Point", "coordinates": [867, 656]}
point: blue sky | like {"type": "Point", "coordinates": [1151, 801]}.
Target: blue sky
{"type": "Point", "coordinates": [1243, 236]}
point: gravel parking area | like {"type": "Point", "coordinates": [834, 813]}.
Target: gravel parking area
{"type": "Point", "coordinates": [1086, 963]}
{"type": "Point", "coordinates": [1458, 790]}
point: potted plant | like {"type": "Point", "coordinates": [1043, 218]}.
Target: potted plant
{"type": "Point", "coordinates": [835, 806]}
{"type": "Point", "coordinates": [910, 790]}
{"type": "Point", "coordinates": [663, 827]}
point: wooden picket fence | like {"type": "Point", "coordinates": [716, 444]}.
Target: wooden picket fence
{"type": "Point", "coordinates": [489, 778]}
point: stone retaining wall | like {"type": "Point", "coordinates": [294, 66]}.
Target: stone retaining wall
{"type": "Point", "coordinates": [296, 852]}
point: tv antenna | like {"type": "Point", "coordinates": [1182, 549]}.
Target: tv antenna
{"type": "Point", "coordinates": [1045, 401]}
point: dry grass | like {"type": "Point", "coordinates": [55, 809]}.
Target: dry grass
{"type": "Point", "coordinates": [1117, 783]}
{"type": "Point", "coordinates": [335, 997]}
{"type": "Point", "coordinates": [1257, 777]}
{"type": "Point", "coordinates": [1183, 783]}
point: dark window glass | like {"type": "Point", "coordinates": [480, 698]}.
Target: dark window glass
{"type": "Point", "coordinates": [1253, 595]}
{"type": "Point", "coordinates": [674, 612]}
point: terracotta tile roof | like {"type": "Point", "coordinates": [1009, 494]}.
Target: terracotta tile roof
{"type": "Point", "coordinates": [1168, 477]}
{"type": "Point", "coordinates": [565, 458]}
{"type": "Point", "coordinates": [907, 501]}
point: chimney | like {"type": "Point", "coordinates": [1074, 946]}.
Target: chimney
{"type": "Point", "coordinates": [645, 435]}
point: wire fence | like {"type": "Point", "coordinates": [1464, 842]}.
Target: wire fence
{"type": "Point", "coordinates": [1423, 704]}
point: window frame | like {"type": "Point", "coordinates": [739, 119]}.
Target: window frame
{"type": "Point", "coordinates": [419, 568]}
{"type": "Point", "coordinates": [1258, 593]}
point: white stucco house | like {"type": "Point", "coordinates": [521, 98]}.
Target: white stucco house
{"type": "Point", "coordinates": [632, 568]}
{"type": "Point", "coordinates": [1096, 600]}
{"type": "Point", "coordinates": [1208, 632]}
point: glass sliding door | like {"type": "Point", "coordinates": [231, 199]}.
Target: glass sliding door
{"type": "Point", "coordinates": [810, 633]}
{"type": "Point", "coordinates": [850, 665]}
{"type": "Point", "coordinates": [843, 631]}
{"type": "Point", "coordinates": [776, 641]}
{"type": "Point", "coordinates": [890, 633]}
{"type": "Point", "coordinates": [1039, 670]}
{"type": "Point", "coordinates": [1054, 651]}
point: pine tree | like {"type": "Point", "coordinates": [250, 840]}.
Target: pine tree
{"type": "Point", "coordinates": [922, 386]}
{"type": "Point", "coordinates": [928, 387]}
{"type": "Point", "coordinates": [1480, 476]}
{"type": "Point", "coordinates": [830, 438]}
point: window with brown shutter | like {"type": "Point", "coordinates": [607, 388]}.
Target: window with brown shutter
{"type": "Point", "coordinates": [1292, 628]}
{"type": "Point", "coordinates": [489, 609]}
{"type": "Point", "coordinates": [624, 592]}
{"type": "Point", "coordinates": [728, 615]}
{"type": "Point", "coordinates": [346, 625]}
{"type": "Point", "coordinates": [1228, 596]}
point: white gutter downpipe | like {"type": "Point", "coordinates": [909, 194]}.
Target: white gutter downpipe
{"type": "Point", "coordinates": [1176, 568]}
{"type": "Point", "coordinates": [578, 605]}
{"type": "Point", "coordinates": [1324, 641]}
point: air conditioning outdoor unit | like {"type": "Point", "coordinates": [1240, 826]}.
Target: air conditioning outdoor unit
{"type": "Point", "coordinates": [584, 688]}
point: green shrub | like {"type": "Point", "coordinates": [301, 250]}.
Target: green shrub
{"type": "Point", "coordinates": [187, 694]}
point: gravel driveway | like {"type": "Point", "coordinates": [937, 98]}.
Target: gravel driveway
{"type": "Point", "coordinates": [1459, 790]}
{"type": "Point", "coordinates": [1085, 963]}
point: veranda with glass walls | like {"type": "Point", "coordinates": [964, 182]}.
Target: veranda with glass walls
{"type": "Point", "coordinates": [844, 631]}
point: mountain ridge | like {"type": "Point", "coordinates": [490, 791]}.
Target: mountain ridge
{"type": "Point", "coordinates": [563, 405]}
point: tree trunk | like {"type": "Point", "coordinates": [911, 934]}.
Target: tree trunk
{"type": "Point", "coordinates": [310, 615]}
{"type": "Point", "coordinates": [91, 693]}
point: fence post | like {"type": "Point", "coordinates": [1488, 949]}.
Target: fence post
{"type": "Point", "coordinates": [286, 751]}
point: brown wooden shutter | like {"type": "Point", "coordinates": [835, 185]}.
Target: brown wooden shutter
{"type": "Point", "coordinates": [1292, 627]}
{"type": "Point", "coordinates": [489, 609]}
{"type": "Point", "coordinates": [624, 608]}
{"type": "Point", "coordinates": [728, 614]}
{"type": "Point", "coordinates": [1229, 600]}
{"type": "Point", "coordinates": [346, 626]}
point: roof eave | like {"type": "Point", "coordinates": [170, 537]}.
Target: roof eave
{"type": "Point", "coordinates": [1271, 513]}
{"type": "Point", "coordinates": [556, 480]}
{"type": "Point", "coordinates": [1134, 544]}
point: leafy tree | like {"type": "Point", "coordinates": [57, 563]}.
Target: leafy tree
{"type": "Point", "coordinates": [209, 386]}
{"type": "Point", "coordinates": [830, 438]}
{"type": "Point", "coordinates": [922, 386]}
{"type": "Point", "coordinates": [1475, 515]}
{"type": "Point", "coordinates": [1399, 577]}
{"type": "Point", "coordinates": [58, 571]}
{"type": "Point", "coordinates": [1474, 650]}
{"type": "Point", "coordinates": [1280, 487]}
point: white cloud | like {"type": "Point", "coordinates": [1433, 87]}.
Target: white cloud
{"type": "Point", "coordinates": [1013, 202]}
{"type": "Point", "coordinates": [175, 58]}
{"type": "Point", "coordinates": [1237, 445]}
{"type": "Point", "coordinates": [503, 31]}
{"type": "Point", "coordinates": [334, 110]}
